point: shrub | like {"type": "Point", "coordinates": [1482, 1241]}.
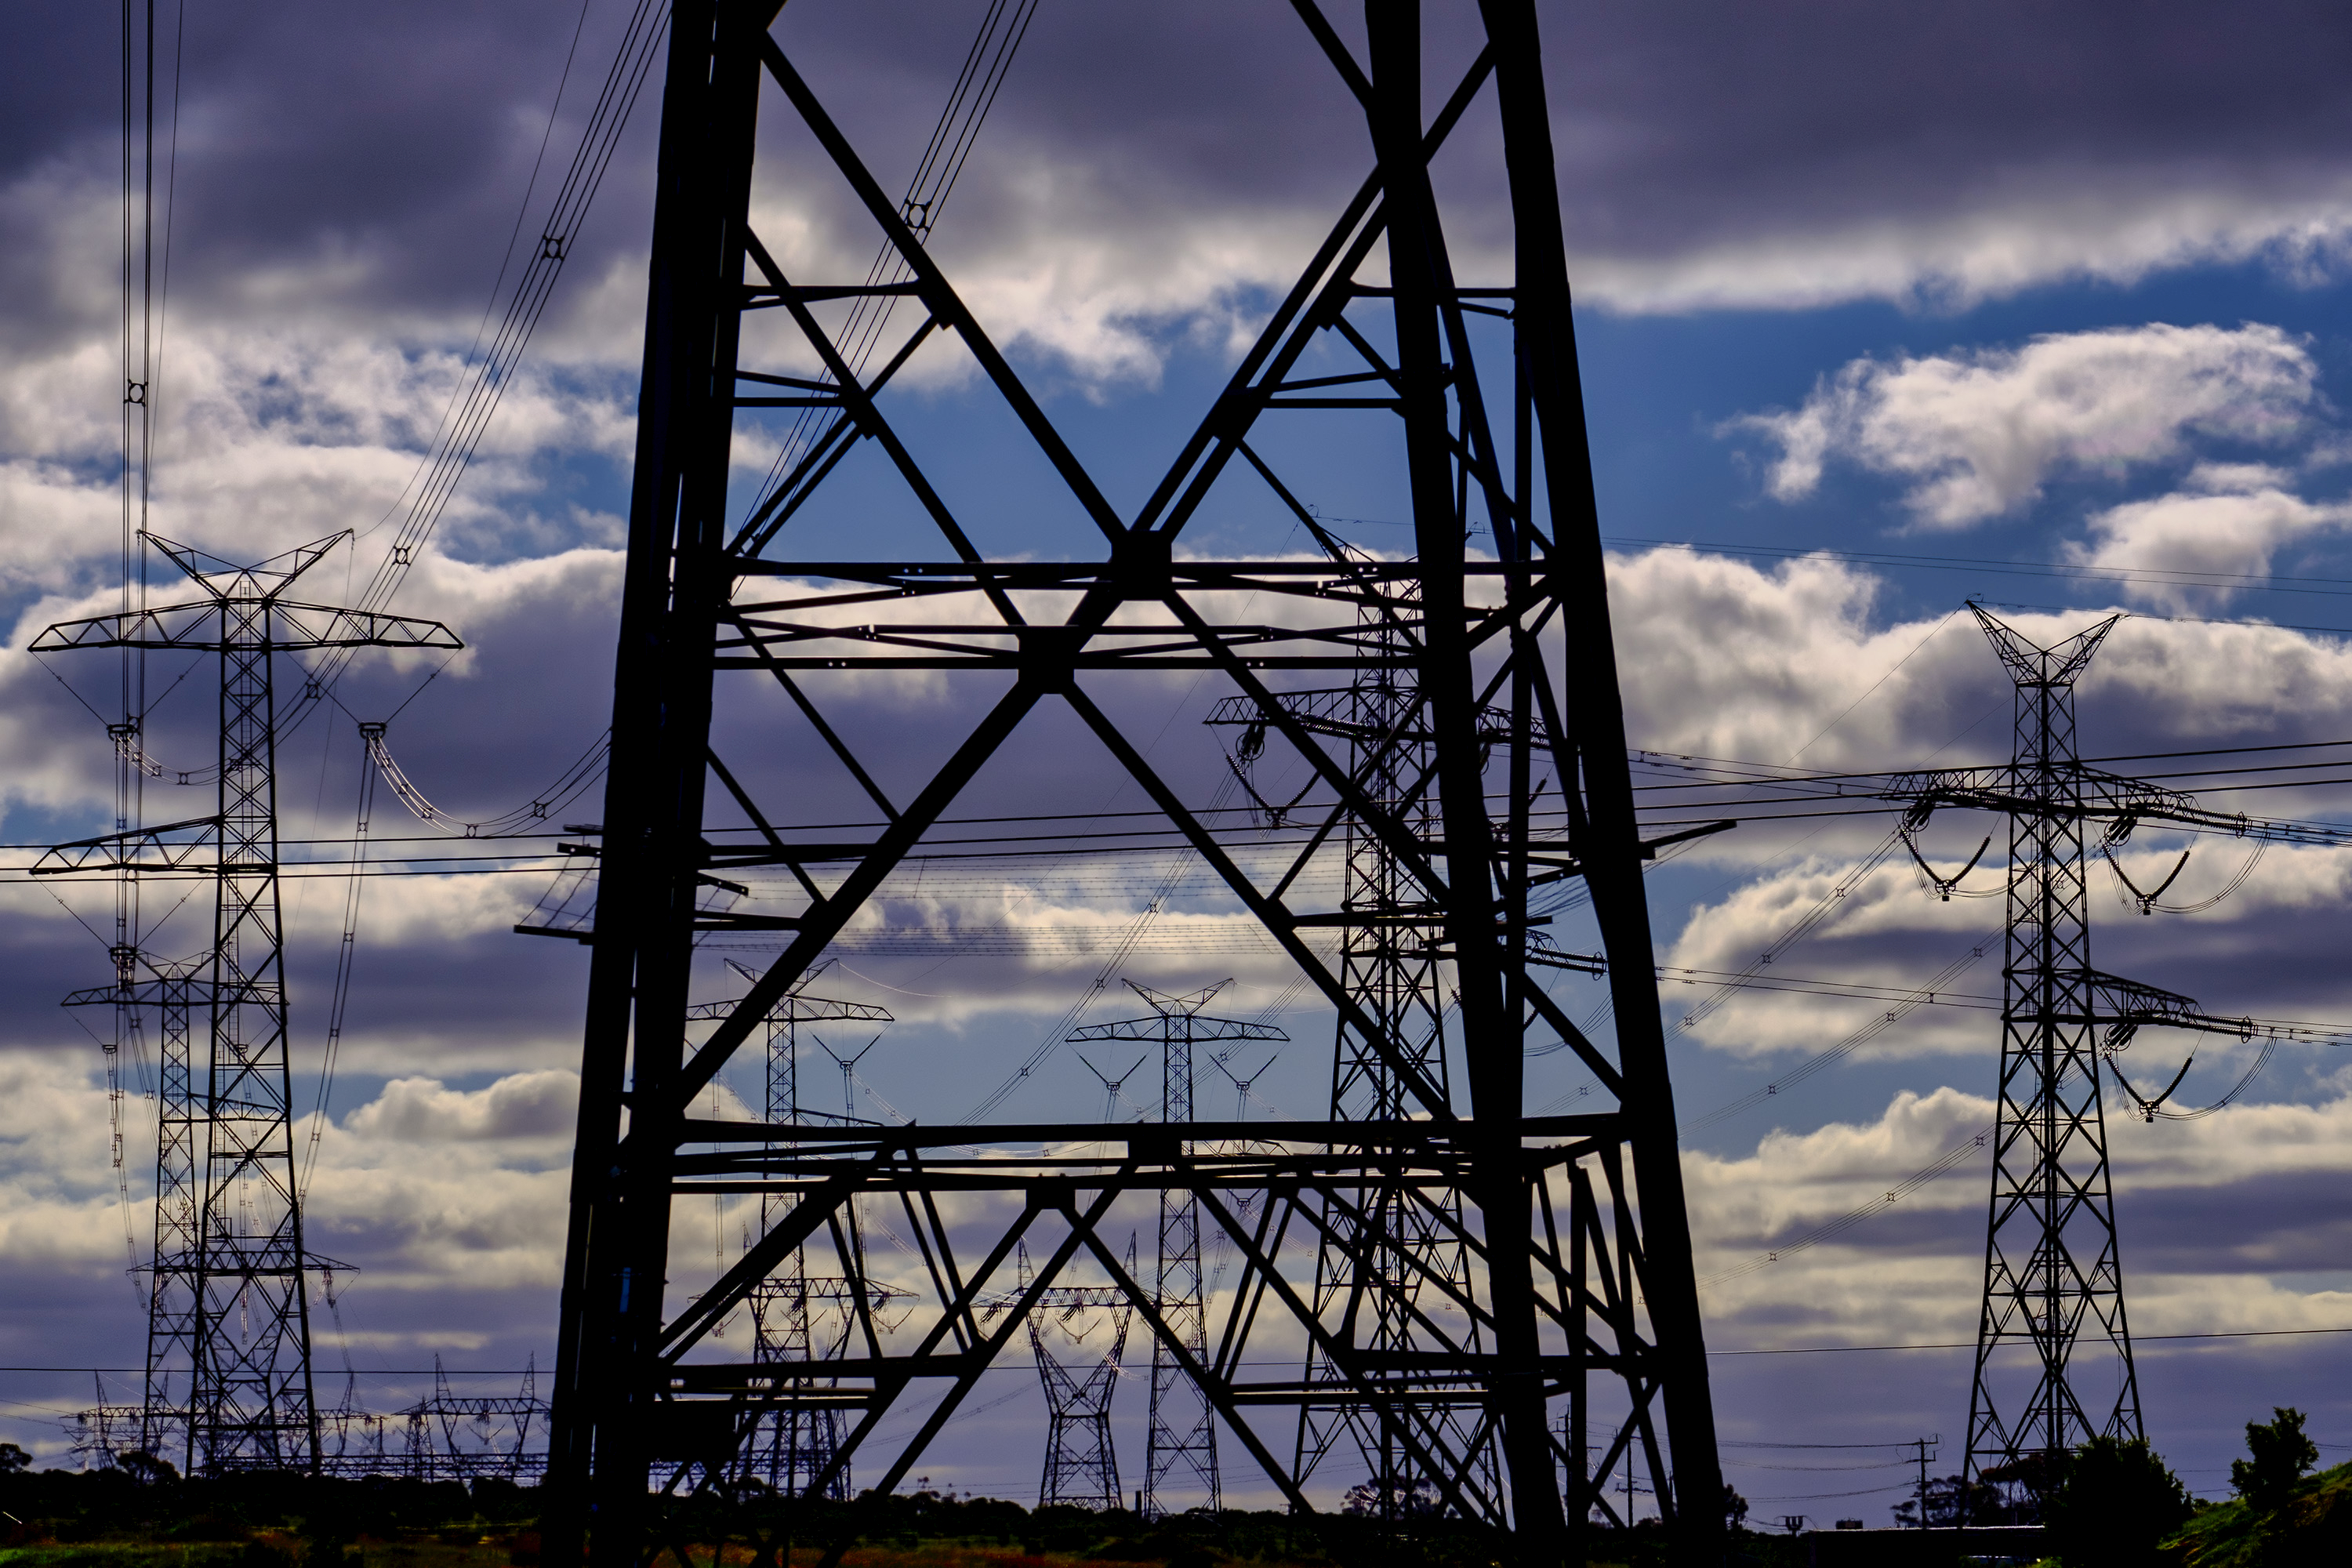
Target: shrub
{"type": "Point", "coordinates": [2111, 1504]}
{"type": "Point", "coordinates": [2279, 1455]}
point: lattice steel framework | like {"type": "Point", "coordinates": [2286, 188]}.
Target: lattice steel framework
{"type": "Point", "coordinates": [2052, 1267]}
{"type": "Point", "coordinates": [1372, 1278]}
{"type": "Point", "coordinates": [2054, 1275]}
{"type": "Point", "coordinates": [797, 1316]}
{"type": "Point", "coordinates": [170, 991]}
{"type": "Point", "coordinates": [443, 1437]}
{"type": "Point", "coordinates": [1181, 1430]}
{"type": "Point", "coordinates": [1581, 1268]}
{"type": "Point", "coordinates": [1081, 1460]}
{"type": "Point", "coordinates": [228, 1303]}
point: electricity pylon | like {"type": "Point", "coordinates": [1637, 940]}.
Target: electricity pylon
{"type": "Point", "coordinates": [1584, 1301]}
{"type": "Point", "coordinates": [1395, 1242]}
{"type": "Point", "coordinates": [2053, 1286]}
{"type": "Point", "coordinates": [796, 1316]}
{"type": "Point", "coordinates": [1182, 1428]}
{"type": "Point", "coordinates": [1081, 1461]}
{"type": "Point", "coordinates": [229, 1306]}
{"type": "Point", "coordinates": [2054, 1275]}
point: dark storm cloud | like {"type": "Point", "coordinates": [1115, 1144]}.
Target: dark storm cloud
{"type": "Point", "coordinates": [1747, 118]}
{"type": "Point", "coordinates": [370, 160]}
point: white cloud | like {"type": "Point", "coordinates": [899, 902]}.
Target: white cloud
{"type": "Point", "coordinates": [1938, 259]}
{"type": "Point", "coordinates": [2229, 1189]}
{"type": "Point", "coordinates": [1887, 931]}
{"type": "Point", "coordinates": [1718, 657]}
{"type": "Point", "coordinates": [1784, 651]}
{"type": "Point", "coordinates": [269, 438]}
{"type": "Point", "coordinates": [59, 1206]}
{"type": "Point", "coordinates": [535, 1106]}
{"type": "Point", "coordinates": [2230, 520]}
{"type": "Point", "coordinates": [1976, 435]}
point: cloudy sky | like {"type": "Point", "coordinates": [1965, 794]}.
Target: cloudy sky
{"type": "Point", "coordinates": [1880, 310]}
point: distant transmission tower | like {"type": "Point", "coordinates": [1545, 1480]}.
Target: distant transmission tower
{"type": "Point", "coordinates": [2053, 1273]}
{"type": "Point", "coordinates": [1400, 1239]}
{"type": "Point", "coordinates": [795, 1316]}
{"type": "Point", "coordinates": [1182, 1428]}
{"type": "Point", "coordinates": [2053, 1284]}
{"type": "Point", "coordinates": [228, 1314]}
{"type": "Point", "coordinates": [1081, 1463]}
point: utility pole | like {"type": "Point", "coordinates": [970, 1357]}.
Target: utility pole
{"type": "Point", "coordinates": [1182, 1425]}
{"type": "Point", "coordinates": [229, 1312]}
{"type": "Point", "coordinates": [1923, 1444]}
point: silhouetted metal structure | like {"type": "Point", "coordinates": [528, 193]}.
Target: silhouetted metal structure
{"type": "Point", "coordinates": [443, 1437]}
{"type": "Point", "coordinates": [797, 1316]}
{"type": "Point", "coordinates": [466, 1438]}
{"type": "Point", "coordinates": [1180, 1428]}
{"type": "Point", "coordinates": [2053, 1291]}
{"type": "Point", "coordinates": [1081, 1461]}
{"type": "Point", "coordinates": [228, 1315]}
{"type": "Point", "coordinates": [1400, 1235]}
{"type": "Point", "coordinates": [1583, 1298]}
{"type": "Point", "coordinates": [2052, 1271]}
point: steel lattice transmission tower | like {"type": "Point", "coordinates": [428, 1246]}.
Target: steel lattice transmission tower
{"type": "Point", "coordinates": [1081, 1461]}
{"type": "Point", "coordinates": [1397, 1241]}
{"type": "Point", "coordinates": [228, 1303]}
{"type": "Point", "coordinates": [797, 1316]}
{"type": "Point", "coordinates": [1181, 1428]}
{"type": "Point", "coordinates": [2054, 1277]}
{"type": "Point", "coordinates": [1584, 1316]}
{"type": "Point", "coordinates": [2053, 1362]}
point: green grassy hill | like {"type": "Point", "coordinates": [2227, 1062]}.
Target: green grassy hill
{"type": "Point", "coordinates": [2315, 1528]}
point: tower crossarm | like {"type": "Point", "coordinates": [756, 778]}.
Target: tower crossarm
{"type": "Point", "coordinates": [802, 1010]}
{"type": "Point", "coordinates": [147, 849]}
{"type": "Point", "coordinates": [1154, 1029]}
{"type": "Point", "coordinates": [2116, 1000]}
{"type": "Point", "coordinates": [174, 990]}
{"type": "Point", "coordinates": [1330, 712]}
{"type": "Point", "coordinates": [196, 628]}
{"type": "Point", "coordinates": [2124, 1006]}
{"type": "Point", "coordinates": [2097, 797]}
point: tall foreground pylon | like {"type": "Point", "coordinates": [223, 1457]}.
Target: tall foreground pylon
{"type": "Point", "coordinates": [228, 1341]}
{"type": "Point", "coordinates": [1575, 1335]}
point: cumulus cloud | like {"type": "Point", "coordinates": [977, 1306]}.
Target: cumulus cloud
{"type": "Point", "coordinates": [535, 1106]}
{"type": "Point", "coordinates": [1786, 649]}
{"type": "Point", "coordinates": [1960, 252]}
{"type": "Point", "coordinates": [1120, 201]}
{"type": "Point", "coordinates": [2224, 1220]}
{"type": "Point", "coordinates": [1976, 434]}
{"type": "Point", "coordinates": [2230, 520]}
{"type": "Point", "coordinates": [1887, 931]}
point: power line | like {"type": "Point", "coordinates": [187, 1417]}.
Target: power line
{"type": "Point", "coordinates": [1971, 1344]}
{"type": "Point", "coordinates": [1754, 1351]}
